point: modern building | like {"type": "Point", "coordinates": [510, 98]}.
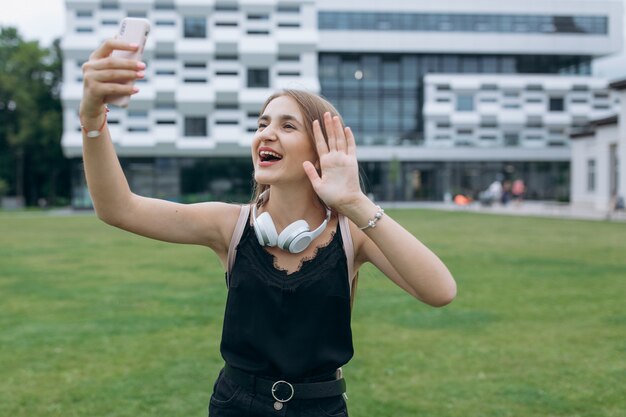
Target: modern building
{"type": "Point", "coordinates": [597, 181]}
{"type": "Point", "coordinates": [524, 121]}
{"type": "Point", "coordinates": [388, 67]}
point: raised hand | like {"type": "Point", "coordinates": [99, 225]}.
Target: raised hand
{"type": "Point", "coordinates": [104, 75]}
{"type": "Point", "coordinates": [338, 186]}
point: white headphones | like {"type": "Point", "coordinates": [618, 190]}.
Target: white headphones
{"type": "Point", "coordinates": [294, 238]}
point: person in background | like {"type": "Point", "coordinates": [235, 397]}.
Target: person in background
{"type": "Point", "coordinates": [517, 190]}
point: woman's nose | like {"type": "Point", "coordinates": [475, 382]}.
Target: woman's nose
{"type": "Point", "coordinates": [268, 133]}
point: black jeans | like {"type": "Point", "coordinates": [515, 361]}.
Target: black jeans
{"type": "Point", "coordinates": [231, 400]}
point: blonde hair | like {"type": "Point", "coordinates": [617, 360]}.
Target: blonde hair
{"type": "Point", "coordinates": [312, 106]}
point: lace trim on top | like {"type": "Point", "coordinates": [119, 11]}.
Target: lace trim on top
{"type": "Point", "coordinates": [311, 268]}
{"type": "Point", "coordinates": [303, 260]}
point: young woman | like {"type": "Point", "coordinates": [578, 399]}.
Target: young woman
{"type": "Point", "coordinates": [290, 260]}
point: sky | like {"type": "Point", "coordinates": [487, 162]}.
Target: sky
{"type": "Point", "coordinates": [44, 20]}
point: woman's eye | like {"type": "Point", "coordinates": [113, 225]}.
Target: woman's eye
{"type": "Point", "coordinates": [288, 126]}
{"type": "Point", "coordinates": [262, 125]}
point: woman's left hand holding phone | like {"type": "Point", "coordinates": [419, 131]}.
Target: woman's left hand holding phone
{"type": "Point", "coordinates": [107, 76]}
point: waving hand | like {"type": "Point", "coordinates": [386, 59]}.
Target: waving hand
{"type": "Point", "coordinates": [338, 185]}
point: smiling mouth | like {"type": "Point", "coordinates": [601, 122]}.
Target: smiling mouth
{"type": "Point", "coordinates": [269, 156]}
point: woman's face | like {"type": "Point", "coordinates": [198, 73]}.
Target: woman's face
{"type": "Point", "coordinates": [281, 144]}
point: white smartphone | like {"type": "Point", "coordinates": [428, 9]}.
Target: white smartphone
{"type": "Point", "coordinates": [132, 30]}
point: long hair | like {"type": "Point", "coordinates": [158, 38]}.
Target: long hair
{"type": "Point", "coordinates": [312, 106]}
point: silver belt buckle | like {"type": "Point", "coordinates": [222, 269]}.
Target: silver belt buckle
{"type": "Point", "coordinates": [278, 405]}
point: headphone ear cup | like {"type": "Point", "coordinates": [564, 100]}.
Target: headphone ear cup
{"type": "Point", "coordinates": [265, 230]}
{"type": "Point", "coordinates": [292, 232]}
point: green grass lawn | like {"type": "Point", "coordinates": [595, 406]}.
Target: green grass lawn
{"type": "Point", "coordinates": [98, 322]}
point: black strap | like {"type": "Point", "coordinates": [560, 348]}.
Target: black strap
{"type": "Point", "coordinates": [282, 390]}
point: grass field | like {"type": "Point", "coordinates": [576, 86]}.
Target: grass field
{"type": "Point", "coordinates": [97, 322]}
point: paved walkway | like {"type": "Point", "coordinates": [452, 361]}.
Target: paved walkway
{"type": "Point", "coordinates": [526, 208]}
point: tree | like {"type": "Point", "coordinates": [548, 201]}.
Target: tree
{"type": "Point", "coordinates": [31, 159]}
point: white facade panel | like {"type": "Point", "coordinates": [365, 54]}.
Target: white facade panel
{"type": "Point", "coordinates": [467, 42]}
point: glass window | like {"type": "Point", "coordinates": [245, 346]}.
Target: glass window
{"type": "Point", "coordinates": [289, 73]}
{"type": "Point", "coordinates": [220, 57]}
{"type": "Point", "coordinates": [465, 102]}
{"type": "Point", "coordinates": [511, 139]}
{"type": "Point", "coordinates": [451, 64]}
{"type": "Point", "coordinates": [195, 126]}
{"type": "Point", "coordinates": [258, 32]}
{"type": "Point", "coordinates": [137, 13]}
{"type": "Point", "coordinates": [227, 106]}
{"type": "Point", "coordinates": [165, 56]}
{"type": "Point", "coordinates": [258, 78]}
{"type": "Point", "coordinates": [534, 122]}
{"type": "Point", "coordinates": [258, 17]}
{"type": "Point", "coordinates": [226, 7]}
{"type": "Point", "coordinates": [165, 105]}
{"type": "Point", "coordinates": [194, 27]}
{"type": "Point", "coordinates": [107, 5]}
{"type": "Point", "coordinates": [164, 6]}
{"type": "Point", "coordinates": [591, 175]}
{"type": "Point", "coordinates": [462, 22]}
{"type": "Point", "coordinates": [391, 74]}
{"type": "Point", "coordinates": [557, 104]}
{"type": "Point", "coordinates": [469, 65]}
{"type": "Point", "coordinates": [195, 64]}
{"type": "Point", "coordinates": [288, 8]}
{"type": "Point", "coordinates": [349, 73]}
{"type": "Point", "coordinates": [489, 122]}
{"type": "Point", "coordinates": [290, 58]}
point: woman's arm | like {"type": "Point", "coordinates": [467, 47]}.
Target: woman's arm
{"type": "Point", "coordinates": [397, 253]}
{"type": "Point", "coordinates": [400, 256]}
{"type": "Point", "coordinates": [205, 223]}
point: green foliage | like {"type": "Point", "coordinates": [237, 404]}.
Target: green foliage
{"type": "Point", "coordinates": [98, 322]}
{"type": "Point", "coordinates": [3, 187]}
{"type": "Point", "coordinates": [31, 159]}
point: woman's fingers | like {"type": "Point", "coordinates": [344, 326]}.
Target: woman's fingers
{"type": "Point", "coordinates": [113, 63]}
{"type": "Point", "coordinates": [117, 75]}
{"type": "Point", "coordinates": [350, 141]}
{"type": "Point", "coordinates": [330, 132]}
{"type": "Point", "coordinates": [114, 89]}
{"type": "Point", "coordinates": [340, 137]}
{"type": "Point", "coordinates": [110, 45]}
{"type": "Point", "coordinates": [320, 143]}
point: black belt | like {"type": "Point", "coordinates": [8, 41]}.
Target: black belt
{"type": "Point", "coordinates": [283, 391]}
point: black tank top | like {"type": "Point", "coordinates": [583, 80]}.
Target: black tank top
{"type": "Point", "coordinates": [291, 327]}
